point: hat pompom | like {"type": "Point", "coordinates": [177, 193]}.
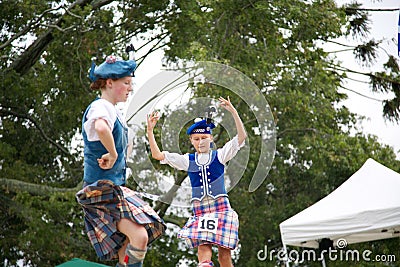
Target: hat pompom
{"type": "Point", "coordinates": [197, 120]}
{"type": "Point", "coordinates": [111, 59]}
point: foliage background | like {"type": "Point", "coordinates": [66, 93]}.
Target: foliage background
{"type": "Point", "coordinates": [46, 49]}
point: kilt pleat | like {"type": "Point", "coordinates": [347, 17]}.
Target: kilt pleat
{"type": "Point", "coordinates": [226, 234]}
{"type": "Point", "coordinates": [104, 204]}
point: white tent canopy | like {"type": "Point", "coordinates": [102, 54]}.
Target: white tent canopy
{"type": "Point", "coordinates": [366, 207]}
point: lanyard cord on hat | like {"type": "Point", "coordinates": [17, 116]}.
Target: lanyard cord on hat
{"type": "Point", "coordinates": [130, 49]}
{"type": "Point", "coordinates": [209, 113]}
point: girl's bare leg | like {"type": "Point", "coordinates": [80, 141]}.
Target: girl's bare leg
{"type": "Point", "coordinates": [204, 253]}
{"type": "Point", "coordinates": [224, 257]}
{"type": "Point", "coordinates": [136, 246]}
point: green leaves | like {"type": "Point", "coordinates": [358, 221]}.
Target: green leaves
{"type": "Point", "coordinates": [276, 43]}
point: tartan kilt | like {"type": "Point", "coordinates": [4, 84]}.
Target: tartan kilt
{"type": "Point", "coordinates": [104, 204]}
{"type": "Point", "coordinates": [227, 232]}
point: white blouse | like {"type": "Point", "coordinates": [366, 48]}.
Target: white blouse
{"type": "Point", "coordinates": [181, 162]}
{"type": "Point", "coordinates": [101, 109]}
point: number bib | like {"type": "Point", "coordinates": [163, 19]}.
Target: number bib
{"type": "Point", "coordinates": [208, 224]}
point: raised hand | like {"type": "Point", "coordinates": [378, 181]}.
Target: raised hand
{"type": "Point", "coordinates": [152, 120]}
{"type": "Point", "coordinates": [226, 103]}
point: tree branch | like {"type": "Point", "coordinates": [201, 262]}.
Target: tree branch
{"type": "Point", "coordinates": [166, 200]}
{"type": "Point", "coordinates": [4, 112]}
{"type": "Point", "coordinates": [157, 46]}
{"type": "Point", "coordinates": [353, 91]}
{"type": "Point", "coordinates": [334, 42]}
{"type": "Point", "coordinates": [14, 185]}
{"type": "Point", "coordinates": [98, 4]}
{"type": "Point", "coordinates": [27, 59]}
{"type": "Point", "coordinates": [373, 9]}
{"type": "Point", "coordinates": [58, 28]}
{"type": "Point", "coordinates": [281, 133]}
{"type": "Point", "coordinates": [179, 221]}
{"type": "Point", "coordinates": [27, 28]}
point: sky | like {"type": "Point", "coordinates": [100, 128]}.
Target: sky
{"type": "Point", "coordinates": [384, 27]}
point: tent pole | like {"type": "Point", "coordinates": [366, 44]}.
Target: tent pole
{"type": "Point", "coordinates": [286, 255]}
{"type": "Point", "coordinates": [323, 262]}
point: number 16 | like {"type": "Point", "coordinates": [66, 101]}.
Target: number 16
{"type": "Point", "coordinates": [207, 224]}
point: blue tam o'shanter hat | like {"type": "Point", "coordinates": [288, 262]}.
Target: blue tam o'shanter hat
{"type": "Point", "coordinates": [112, 68]}
{"type": "Point", "coordinates": [200, 127]}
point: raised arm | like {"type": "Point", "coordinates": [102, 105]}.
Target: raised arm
{"type": "Point", "coordinates": [241, 132]}
{"type": "Point", "coordinates": [151, 123]}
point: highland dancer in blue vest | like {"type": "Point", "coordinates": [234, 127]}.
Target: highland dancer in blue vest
{"type": "Point", "coordinates": [120, 225]}
{"type": "Point", "coordinates": [214, 222]}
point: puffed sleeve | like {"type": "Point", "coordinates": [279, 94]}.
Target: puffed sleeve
{"type": "Point", "coordinates": [100, 109]}
{"type": "Point", "coordinates": [229, 150]}
{"type": "Point", "coordinates": [175, 160]}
